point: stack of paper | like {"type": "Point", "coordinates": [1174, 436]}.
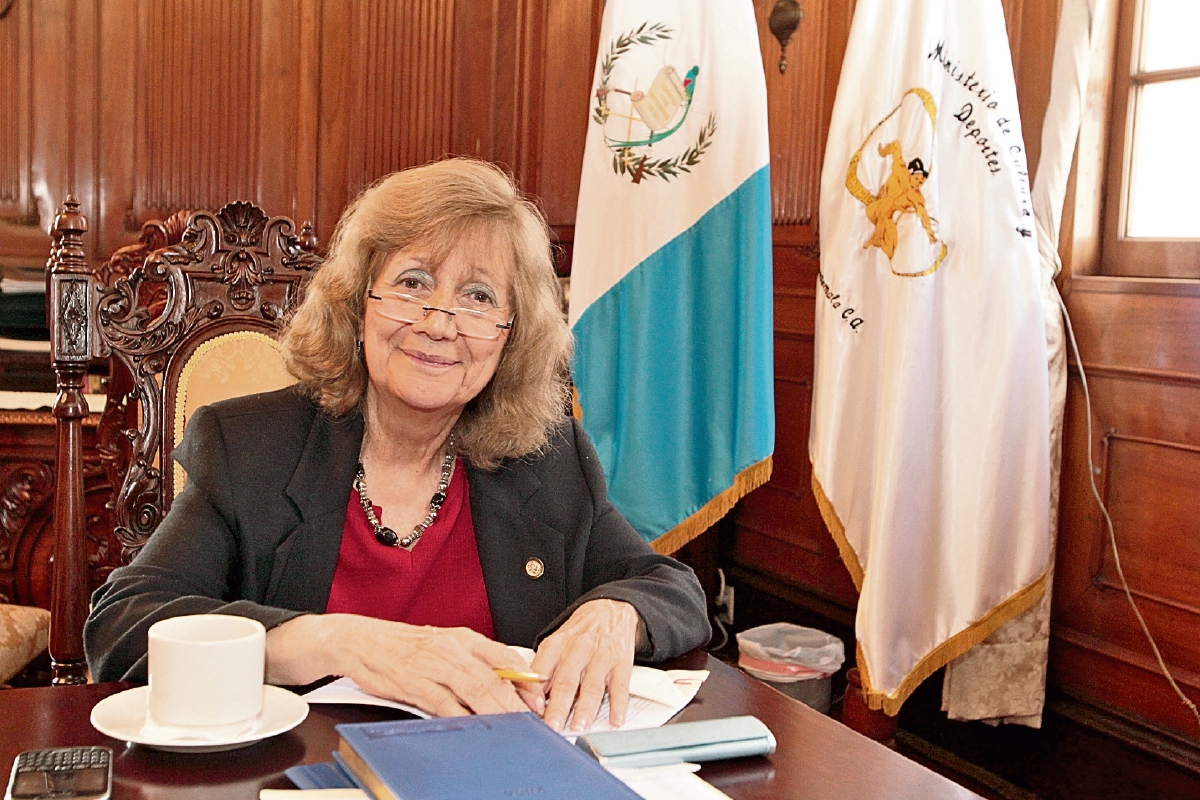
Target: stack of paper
{"type": "Point", "coordinates": [656, 695]}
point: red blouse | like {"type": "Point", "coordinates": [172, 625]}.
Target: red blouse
{"type": "Point", "coordinates": [439, 583]}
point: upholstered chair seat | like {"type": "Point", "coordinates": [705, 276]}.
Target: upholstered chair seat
{"type": "Point", "coordinates": [24, 633]}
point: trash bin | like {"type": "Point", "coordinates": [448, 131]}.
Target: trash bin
{"type": "Point", "coordinates": [797, 661]}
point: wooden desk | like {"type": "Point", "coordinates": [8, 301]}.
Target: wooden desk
{"type": "Point", "coordinates": [817, 757]}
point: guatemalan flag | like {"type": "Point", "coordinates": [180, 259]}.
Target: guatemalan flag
{"type": "Point", "coordinates": [671, 282]}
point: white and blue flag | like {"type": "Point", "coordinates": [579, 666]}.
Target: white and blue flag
{"type": "Point", "coordinates": [930, 436]}
{"type": "Point", "coordinates": [671, 282]}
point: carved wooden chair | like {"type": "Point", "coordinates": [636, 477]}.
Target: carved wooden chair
{"type": "Point", "coordinates": [193, 323]}
{"type": "Point", "coordinates": [27, 530]}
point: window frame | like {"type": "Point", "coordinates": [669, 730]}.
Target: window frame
{"type": "Point", "coordinates": [1121, 255]}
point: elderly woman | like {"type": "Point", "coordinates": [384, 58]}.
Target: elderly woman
{"type": "Point", "coordinates": [419, 499]}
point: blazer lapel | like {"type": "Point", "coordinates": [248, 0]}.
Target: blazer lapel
{"type": "Point", "coordinates": [320, 489]}
{"type": "Point", "coordinates": [523, 559]}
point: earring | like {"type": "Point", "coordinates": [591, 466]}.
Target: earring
{"type": "Point", "coordinates": [358, 347]}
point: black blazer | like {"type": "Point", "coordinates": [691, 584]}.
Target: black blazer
{"type": "Point", "coordinates": [257, 529]}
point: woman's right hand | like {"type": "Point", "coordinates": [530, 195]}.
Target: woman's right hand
{"type": "Point", "coordinates": [444, 671]}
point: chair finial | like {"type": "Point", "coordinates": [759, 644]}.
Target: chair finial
{"type": "Point", "coordinates": [308, 238]}
{"type": "Point", "coordinates": [68, 229]}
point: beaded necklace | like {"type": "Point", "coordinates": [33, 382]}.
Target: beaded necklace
{"type": "Point", "coordinates": [388, 537]}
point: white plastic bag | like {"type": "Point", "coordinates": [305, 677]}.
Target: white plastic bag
{"type": "Point", "coordinates": [784, 652]}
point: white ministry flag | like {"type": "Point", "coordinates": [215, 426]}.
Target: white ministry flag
{"type": "Point", "coordinates": [930, 426]}
{"type": "Point", "coordinates": [671, 280]}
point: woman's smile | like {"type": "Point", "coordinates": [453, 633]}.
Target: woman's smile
{"type": "Point", "coordinates": [428, 359]}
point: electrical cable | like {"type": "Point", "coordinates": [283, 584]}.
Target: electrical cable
{"type": "Point", "coordinates": [716, 618]}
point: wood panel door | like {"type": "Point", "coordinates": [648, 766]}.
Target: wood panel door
{"type": "Point", "coordinates": [1140, 344]}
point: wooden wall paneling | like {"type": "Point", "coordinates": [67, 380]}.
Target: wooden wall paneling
{"type": "Point", "coordinates": [1138, 340]}
{"type": "Point", "coordinates": [1079, 232]}
{"type": "Point", "coordinates": [1138, 468]}
{"type": "Point", "coordinates": [388, 92]}
{"type": "Point", "coordinates": [334, 115]}
{"type": "Point", "coordinates": [17, 206]}
{"type": "Point", "coordinates": [53, 132]}
{"type": "Point", "coordinates": [777, 530]}
{"type": "Point", "coordinates": [283, 69]}
{"type": "Point", "coordinates": [1032, 29]}
{"type": "Point", "coordinates": [82, 177]}
{"type": "Point", "coordinates": [1145, 326]}
{"type": "Point", "coordinates": [62, 47]}
{"type": "Point", "coordinates": [205, 101]}
{"type": "Point", "coordinates": [406, 87]}
{"type": "Point", "coordinates": [519, 70]}
{"type": "Point", "coordinates": [180, 121]}
{"type": "Point", "coordinates": [508, 120]}
{"type": "Point", "coordinates": [1100, 652]}
{"type": "Point", "coordinates": [571, 41]}
{"type": "Point", "coordinates": [200, 102]}
{"type": "Point", "coordinates": [122, 73]}
{"type": "Point", "coordinates": [307, 102]}
{"type": "Point", "coordinates": [473, 115]}
{"type": "Point", "coordinates": [796, 110]}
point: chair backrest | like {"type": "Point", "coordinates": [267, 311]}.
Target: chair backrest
{"type": "Point", "coordinates": [195, 322]}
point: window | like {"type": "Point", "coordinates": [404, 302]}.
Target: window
{"type": "Point", "coordinates": [1152, 204]}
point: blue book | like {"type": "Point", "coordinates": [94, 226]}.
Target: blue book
{"type": "Point", "coordinates": [499, 756]}
{"type": "Point", "coordinates": [327, 775]}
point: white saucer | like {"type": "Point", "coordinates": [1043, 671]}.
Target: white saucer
{"type": "Point", "coordinates": [123, 716]}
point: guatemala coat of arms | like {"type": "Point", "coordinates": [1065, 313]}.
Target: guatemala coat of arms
{"type": "Point", "coordinates": [638, 106]}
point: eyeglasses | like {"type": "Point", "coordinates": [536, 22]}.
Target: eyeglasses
{"type": "Point", "coordinates": [472, 323]}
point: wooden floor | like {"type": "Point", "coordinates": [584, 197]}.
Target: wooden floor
{"type": "Point", "coordinates": [1064, 760]}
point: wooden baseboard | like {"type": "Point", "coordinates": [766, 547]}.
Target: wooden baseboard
{"type": "Point", "coordinates": [958, 769]}
{"type": "Point", "coordinates": [1128, 729]}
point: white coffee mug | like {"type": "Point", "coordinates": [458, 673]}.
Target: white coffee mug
{"type": "Point", "coordinates": [206, 670]}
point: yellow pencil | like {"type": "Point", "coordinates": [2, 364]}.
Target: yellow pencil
{"type": "Point", "coordinates": [518, 676]}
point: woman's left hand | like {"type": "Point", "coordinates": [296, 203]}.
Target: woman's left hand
{"type": "Point", "coordinates": [590, 653]}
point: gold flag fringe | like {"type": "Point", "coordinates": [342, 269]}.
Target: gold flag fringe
{"type": "Point", "coordinates": [945, 652]}
{"type": "Point", "coordinates": [744, 482]}
{"type": "Point", "coordinates": [950, 649]}
{"type": "Point", "coordinates": [838, 532]}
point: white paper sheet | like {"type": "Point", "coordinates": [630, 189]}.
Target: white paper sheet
{"type": "Point", "coordinates": [668, 782]}
{"type": "Point", "coordinates": [656, 695]}
{"type": "Point", "coordinates": [314, 794]}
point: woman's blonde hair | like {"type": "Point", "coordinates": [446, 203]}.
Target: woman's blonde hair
{"type": "Point", "coordinates": [438, 206]}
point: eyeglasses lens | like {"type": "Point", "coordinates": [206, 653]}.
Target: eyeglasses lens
{"type": "Point", "coordinates": [470, 323]}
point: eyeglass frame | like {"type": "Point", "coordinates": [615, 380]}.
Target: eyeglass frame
{"type": "Point", "coordinates": [450, 312]}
